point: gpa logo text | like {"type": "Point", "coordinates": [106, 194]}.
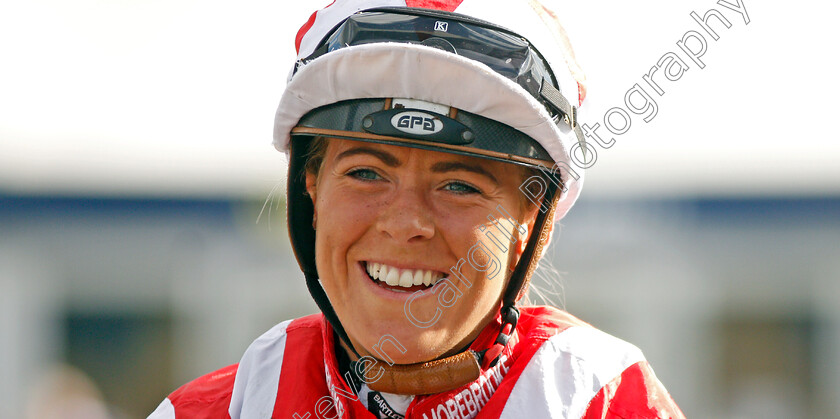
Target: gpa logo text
{"type": "Point", "coordinates": [417, 123]}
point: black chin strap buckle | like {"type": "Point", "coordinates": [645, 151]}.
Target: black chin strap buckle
{"type": "Point", "coordinates": [510, 316]}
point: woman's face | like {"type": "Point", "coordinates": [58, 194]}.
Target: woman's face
{"type": "Point", "coordinates": [417, 213]}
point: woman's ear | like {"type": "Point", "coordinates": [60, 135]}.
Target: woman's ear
{"type": "Point", "coordinates": [311, 190]}
{"type": "Point", "coordinates": [519, 247]}
{"type": "Point", "coordinates": [523, 240]}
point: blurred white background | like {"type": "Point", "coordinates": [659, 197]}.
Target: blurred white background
{"type": "Point", "coordinates": [135, 156]}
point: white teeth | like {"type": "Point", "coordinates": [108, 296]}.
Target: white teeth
{"type": "Point", "coordinates": [406, 279]}
{"type": "Point", "coordinates": [418, 277]}
{"type": "Point", "coordinates": [427, 278]}
{"type": "Point", "coordinates": [393, 277]}
{"type": "Point", "coordinates": [402, 277]}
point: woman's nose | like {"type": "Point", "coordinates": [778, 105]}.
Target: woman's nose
{"type": "Point", "coordinates": [408, 217]}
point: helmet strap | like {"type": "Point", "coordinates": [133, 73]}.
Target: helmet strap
{"type": "Point", "coordinates": [521, 276]}
{"type": "Point", "coordinates": [323, 302]}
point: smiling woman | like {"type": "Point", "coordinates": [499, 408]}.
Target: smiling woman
{"type": "Point", "coordinates": [410, 213]}
{"type": "Point", "coordinates": [429, 158]}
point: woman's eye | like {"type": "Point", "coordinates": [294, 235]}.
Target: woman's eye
{"type": "Point", "coordinates": [461, 188]}
{"type": "Point", "coordinates": [364, 174]}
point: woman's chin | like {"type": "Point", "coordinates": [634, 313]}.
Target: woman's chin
{"type": "Point", "coordinates": [414, 354]}
{"type": "Point", "coordinates": [418, 356]}
{"type": "Point", "coordinates": [406, 346]}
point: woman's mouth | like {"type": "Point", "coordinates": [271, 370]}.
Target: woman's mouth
{"type": "Point", "coordinates": [401, 280]}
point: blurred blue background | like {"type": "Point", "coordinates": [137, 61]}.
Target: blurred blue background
{"type": "Point", "coordinates": [142, 229]}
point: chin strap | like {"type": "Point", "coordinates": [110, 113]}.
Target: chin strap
{"type": "Point", "coordinates": [431, 377]}
{"type": "Point", "coordinates": [447, 373]}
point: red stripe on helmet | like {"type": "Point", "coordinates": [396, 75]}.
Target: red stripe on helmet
{"type": "Point", "coordinates": [305, 28]}
{"type": "Point", "coordinates": [447, 5]}
{"type": "Point", "coordinates": [581, 93]}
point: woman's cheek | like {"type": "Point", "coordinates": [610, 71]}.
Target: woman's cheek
{"type": "Point", "coordinates": [484, 260]}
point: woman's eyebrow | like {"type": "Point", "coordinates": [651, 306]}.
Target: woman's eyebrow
{"type": "Point", "coordinates": [450, 166]}
{"type": "Point", "coordinates": [386, 157]}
